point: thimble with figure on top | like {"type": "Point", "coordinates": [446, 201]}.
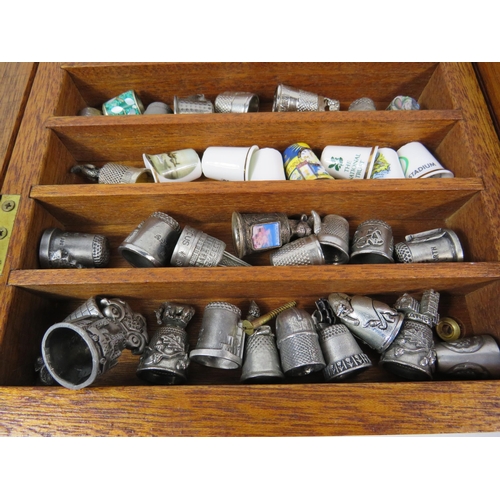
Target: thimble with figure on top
{"type": "Point", "coordinates": [372, 243]}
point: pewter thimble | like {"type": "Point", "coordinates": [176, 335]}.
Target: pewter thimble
{"type": "Point", "coordinates": [158, 108]}
{"type": "Point", "coordinates": [63, 250]}
{"type": "Point", "coordinates": [334, 239]}
{"type": "Point", "coordinates": [302, 252]}
{"type": "Point", "coordinates": [344, 358]}
{"type": "Point", "coordinates": [372, 243]}
{"type": "Point", "coordinates": [362, 104]}
{"type": "Point", "coordinates": [192, 105]}
{"type": "Point", "coordinates": [166, 359]}
{"type": "Point", "coordinates": [43, 375]}
{"type": "Point", "coordinates": [89, 112]}
{"type": "Point", "coordinates": [403, 102]}
{"type": "Point", "coordinates": [261, 363]}
{"type": "Point", "coordinates": [371, 321]}
{"type": "Point", "coordinates": [113, 173]}
{"type": "Point", "coordinates": [291, 99]}
{"type": "Point", "coordinates": [436, 245]}
{"type": "Point", "coordinates": [221, 340]}
{"type": "Point", "coordinates": [476, 357]}
{"type": "Point", "coordinates": [152, 242]}
{"type": "Point", "coordinates": [237, 102]}
{"type": "Point", "coordinates": [298, 343]}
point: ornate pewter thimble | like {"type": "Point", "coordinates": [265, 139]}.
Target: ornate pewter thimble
{"type": "Point", "coordinates": [192, 105]}
{"type": "Point", "coordinates": [127, 103]}
{"type": "Point", "coordinates": [291, 99]}
{"type": "Point", "coordinates": [436, 245]}
{"type": "Point", "coordinates": [476, 357]}
{"type": "Point", "coordinates": [221, 340]}
{"type": "Point", "coordinates": [152, 242]}
{"type": "Point", "coordinates": [372, 243]}
{"type": "Point", "coordinates": [323, 316]}
{"type": "Point", "coordinates": [403, 102]}
{"type": "Point", "coordinates": [334, 239]}
{"type": "Point", "coordinates": [344, 358]}
{"type": "Point", "coordinates": [89, 112]}
{"type": "Point", "coordinates": [298, 343]}
{"type": "Point", "coordinates": [158, 108]}
{"type": "Point", "coordinates": [261, 362]}
{"type": "Point", "coordinates": [237, 102]}
{"type": "Point", "coordinates": [63, 250]}
{"type": "Point", "coordinates": [373, 322]}
{"type": "Point", "coordinates": [77, 352]}
{"type": "Point", "coordinates": [362, 104]}
{"type": "Point", "coordinates": [43, 375]}
{"type": "Point", "coordinates": [113, 173]}
{"type": "Point", "coordinates": [254, 233]}
{"type": "Point", "coordinates": [302, 252]}
{"type": "Point", "coordinates": [198, 249]}
{"type": "Point", "coordinates": [166, 359]}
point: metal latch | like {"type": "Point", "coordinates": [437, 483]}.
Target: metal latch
{"type": "Point", "coordinates": [9, 203]}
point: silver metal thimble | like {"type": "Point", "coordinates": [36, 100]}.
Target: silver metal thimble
{"type": "Point", "coordinates": [43, 375]}
{"type": "Point", "coordinates": [371, 321]}
{"type": "Point", "coordinates": [291, 99]}
{"type": "Point", "coordinates": [372, 243]}
{"type": "Point", "coordinates": [334, 239]}
{"type": "Point", "coordinates": [302, 252]}
{"type": "Point", "coordinates": [192, 105]}
{"type": "Point", "coordinates": [221, 339]}
{"type": "Point", "coordinates": [436, 245]}
{"type": "Point", "coordinates": [362, 104]}
{"type": "Point", "coordinates": [298, 343]}
{"type": "Point", "coordinates": [89, 111]}
{"type": "Point", "coordinates": [261, 362]}
{"type": "Point", "coordinates": [476, 357]}
{"type": "Point", "coordinates": [152, 242]}
{"type": "Point", "coordinates": [158, 108]}
{"type": "Point", "coordinates": [165, 360]}
{"type": "Point", "coordinates": [64, 250]}
{"type": "Point", "coordinates": [198, 249]}
{"type": "Point", "coordinates": [113, 173]}
{"type": "Point", "coordinates": [237, 102]}
{"type": "Point", "coordinates": [344, 358]}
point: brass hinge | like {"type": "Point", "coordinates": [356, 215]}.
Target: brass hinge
{"type": "Point", "coordinates": [9, 203]}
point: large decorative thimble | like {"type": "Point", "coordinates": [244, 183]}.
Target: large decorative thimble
{"type": "Point", "coordinates": [302, 252]}
{"type": "Point", "coordinates": [261, 363]}
{"type": "Point", "coordinates": [298, 343]}
{"type": "Point", "coordinates": [78, 352]}
{"type": "Point", "coordinates": [291, 99]}
{"type": "Point", "coordinates": [371, 321]}
{"type": "Point", "coordinates": [362, 104]}
{"type": "Point", "coordinates": [113, 173]}
{"type": "Point", "coordinates": [166, 359]}
{"type": "Point", "coordinates": [334, 239]}
{"type": "Point", "coordinates": [372, 243]}
{"type": "Point", "coordinates": [436, 245]}
{"type": "Point", "coordinates": [237, 102]}
{"type": "Point", "coordinates": [63, 250]}
{"type": "Point", "coordinates": [127, 103]}
{"type": "Point", "coordinates": [344, 358]}
{"type": "Point", "coordinates": [152, 242]}
{"type": "Point", "coordinates": [221, 340]}
{"type": "Point", "coordinates": [476, 357]}
{"type": "Point", "coordinates": [198, 249]}
{"type": "Point", "coordinates": [193, 104]}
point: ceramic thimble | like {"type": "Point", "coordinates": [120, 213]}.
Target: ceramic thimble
{"type": "Point", "coordinates": [298, 343]}
{"type": "Point", "coordinates": [288, 98]}
{"type": "Point", "coordinates": [476, 357]}
{"type": "Point", "coordinates": [193, 104]}
{"type": "Point", "coordinates": [372, 243]}
{"type": "Point", "coordinates": [344, 358]}
{"type": "Point", "coordinates": [152, 242]}
{"type": "Point", "coordinates": [221, 339]}
{"type": "Point", "coordinates": [158, 108]}
{"type": "Point", "coordinates": [333, 238]}
{"type": "Point", "coordinates": [302, 252]}
{"type": "Point", "coordinates": [165, 360]}
{"type": "Point", "coordinates": [183, 165]}
{"type": "Point", "coordinates": [301, 164]}
{"type": "Point", "coordinates": [64, 250]}
{"type": "Point", "coordinates": [261, 363]}
{"type": "Point", "coordinates": [402, 102]}
{"type": "Point", "coordinates": [127, 103]}
{"type": "Point", "coordinates": [436, 245]}
{"type": "Point", "coordinates": [237, 102]}
{"type": "Point", "coordinates": [362, 104]}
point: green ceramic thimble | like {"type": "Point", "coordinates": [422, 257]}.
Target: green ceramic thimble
{"type": "Point", "coordinates": [127, 103]}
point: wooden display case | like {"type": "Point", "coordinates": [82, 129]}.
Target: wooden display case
{"type": "Point", "coordinates": [453, 123]}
